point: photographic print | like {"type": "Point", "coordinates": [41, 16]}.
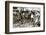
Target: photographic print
{"type": "Point", "coordinates": [22, 17]}
{"type": "Point", "coordinates": [26, 17]}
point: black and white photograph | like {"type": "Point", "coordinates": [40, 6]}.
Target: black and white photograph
{"type": "Point", "coordinates": [22, 17]}
{"type": "Point", "coordinates": [26, 17]}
